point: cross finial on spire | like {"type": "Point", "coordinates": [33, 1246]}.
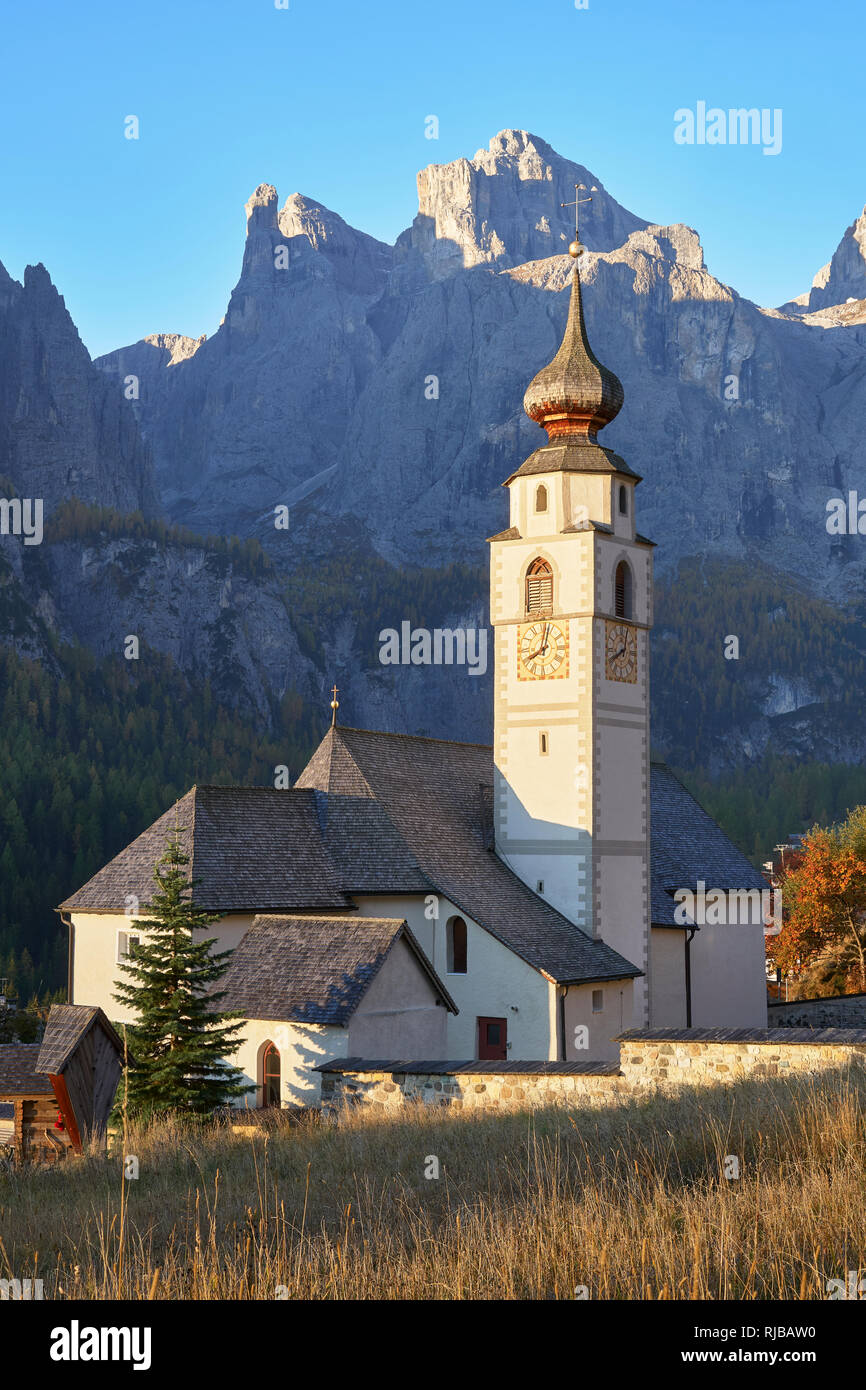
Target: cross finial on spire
{"type": "Point", "coordinates": [335, 705]}
{"type": "Point", "coordinates": [576, 249]}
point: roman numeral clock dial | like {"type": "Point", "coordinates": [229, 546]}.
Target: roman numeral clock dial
{"type": "Point", "coordinates": [620, 653]}
{"type": "Point", "coordinates": [542, 651]}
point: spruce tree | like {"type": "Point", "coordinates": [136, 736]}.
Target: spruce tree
{"type": "Point", "coordinates": [180, 1038]}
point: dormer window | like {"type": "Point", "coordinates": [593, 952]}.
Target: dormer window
{"type": "Point", "coordinates": [539, 587]}
{"type": "Point", "coordinates": [541, 498]}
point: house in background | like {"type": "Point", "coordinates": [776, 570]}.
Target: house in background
{"type": "Point", "coordinates": [537, 881]}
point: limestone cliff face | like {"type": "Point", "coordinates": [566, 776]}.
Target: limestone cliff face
{"type": "Point", "coordinates": [504, 207]}
{"type": "Point", "coordinates": [844, 277]}
{"type": "Point", "coordinates": [64, 429]}
{"type": "Point", "coordinates": [377, 391]}
{"type": "Point", "coordinates": [384, 385]}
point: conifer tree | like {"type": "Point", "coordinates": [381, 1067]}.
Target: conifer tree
{"type": "Point", "coordinates": [180, 1038]}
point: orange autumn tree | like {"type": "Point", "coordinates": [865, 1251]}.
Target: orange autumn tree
{"type": "Point", "coordinates": [824, 906]}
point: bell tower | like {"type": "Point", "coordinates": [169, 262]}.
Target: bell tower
{"type": "Point", "coordinates": [571, 609]}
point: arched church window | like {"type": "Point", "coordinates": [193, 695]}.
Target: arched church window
{"type": "Point", "coordinates": [539, 587]}
{"type": "Point", "coordinates": [623, 591]}
{"type": "Point", "coordinates": [623, 501]}
{"type": "Point", "coordinates": [271, 1076]}
{"type": "Point", "coordinates": [456, 944]}
{"type": "Point", "coordinates": [541, 498]}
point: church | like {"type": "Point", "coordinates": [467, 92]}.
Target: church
{"type": "Point", "coordinates": [415, 898]}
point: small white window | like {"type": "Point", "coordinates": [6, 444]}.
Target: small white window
{"type": "Point", "coordinates": [125, 942]}
{"type": "Point", "coordinates": [598, 1001]}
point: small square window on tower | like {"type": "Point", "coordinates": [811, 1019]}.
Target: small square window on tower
{"type": "Point", "coordinates": [598, 1001]}
{"type": "Point", "coordinates": [543, 746]}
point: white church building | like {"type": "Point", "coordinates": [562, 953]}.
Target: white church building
{"type": "Point", "coordinates": [422, 899]}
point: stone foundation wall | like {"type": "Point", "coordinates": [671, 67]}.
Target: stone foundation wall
{"type": "Point", "coordinates": [651, 1057]}
{"type": "Point", "coordinates": [388, 1089]}
{"type": "Point", "coordinates": [846, 1012]}
{"type": "Point", "coordinates": [648, 1058]}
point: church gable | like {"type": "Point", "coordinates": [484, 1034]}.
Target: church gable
{"type": "Point", "coordinates": [319, 969]}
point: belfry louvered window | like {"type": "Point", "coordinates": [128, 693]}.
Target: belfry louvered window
{"type": "Point", "coordinates": [622, 591]}
{"type": "Point", "coordinates": [539, 587]}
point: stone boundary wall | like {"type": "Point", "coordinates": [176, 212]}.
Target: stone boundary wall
{"type": "Point", "coordinates": [845, 1011]}
{"type": "Point", "coordinates": [466, 1085]}
{"type": "Point", "coordinates": [652, 1057]}
{"type": "Point", "coordinates": [649, 1058]}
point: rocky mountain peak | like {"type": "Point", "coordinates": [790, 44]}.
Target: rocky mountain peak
{"type": "Point", "coordinates": [261, 208]}
{"type": "Point", "coordinates": [503, 208]}
{"type": "Point", "coordinates": [843, 277]}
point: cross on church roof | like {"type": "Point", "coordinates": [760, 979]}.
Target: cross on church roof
{"type": "Point", "coordinates": [576, 249]}
{"type": "Point", "coordinates": [335, 705]}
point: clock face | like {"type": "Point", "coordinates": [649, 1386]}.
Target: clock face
{"type": "Point", "coordinates": [542, 649]}
{"type": "Point", "coordinates": [620, 653]}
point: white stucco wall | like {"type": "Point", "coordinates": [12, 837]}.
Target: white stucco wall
{"type": "Point", "coordinates": [667, 978]}
{"type": "Point", "coordinates": [729, 982]}
{"type": "Point", "coordinates": [497, 983]}
{"type": "Point", "coordinates": [95, 969]}
{"type": "Point", "coordinates": [616, 1014]}
{"type": "Point", "coordinates": [302, 1046]}
{"type": "Point", "coordinates": [398, 1017]}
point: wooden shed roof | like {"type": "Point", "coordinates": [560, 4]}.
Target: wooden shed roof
{"type": "Point", "coordinates": [19, 1073]}
{"type": "Point", "coordinates": [67, 1027]}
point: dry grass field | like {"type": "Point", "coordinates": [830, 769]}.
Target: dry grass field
{"type": "Point", "coordinates": [629, 1200]}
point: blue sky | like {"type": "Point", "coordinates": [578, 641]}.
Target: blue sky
{"type": "Point", "coordinates": [329, 98]}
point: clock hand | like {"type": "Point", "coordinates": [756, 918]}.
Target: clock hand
{"type": "Point", "coordinates": [542, 648]}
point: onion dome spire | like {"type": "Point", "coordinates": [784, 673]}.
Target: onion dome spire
{"type": "Point", "coordinates": [575, 395]}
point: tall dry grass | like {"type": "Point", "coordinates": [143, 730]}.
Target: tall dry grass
{"type": "Point", "coordinates": [630, 1201]}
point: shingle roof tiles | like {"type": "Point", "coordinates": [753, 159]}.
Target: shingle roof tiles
{"type": "Point", "coordinates": [311, 969]}
{"type": "Point", "coordinates": [389, 813]}
{"type": "Point", "coordinates": [18, 1074]}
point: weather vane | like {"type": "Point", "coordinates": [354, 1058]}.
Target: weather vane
{"type": "Point", "coordinates": [335, 705]}
{"type": "Point", "coordinates": [576, 249]}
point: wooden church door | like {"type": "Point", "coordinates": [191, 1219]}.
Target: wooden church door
{"type": "Point", "coordinates": [492, 1040]}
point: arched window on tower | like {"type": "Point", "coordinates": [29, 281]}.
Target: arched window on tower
{"type": "Point", "coordinates": [623, 501]}
{"type": "Point", "coordinates": [541, 498]}
{"type": "Point", "coordinates": [271, 1076]}
{"type": "Point", "coordinates": [539, 587]}
{"type": "Point", "coordinates": [622, 588]}
{"type": "Point", "coordinates": [456, 944]}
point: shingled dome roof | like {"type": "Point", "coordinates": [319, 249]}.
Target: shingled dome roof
{"type": "Point", "coordinates": [575, 395]}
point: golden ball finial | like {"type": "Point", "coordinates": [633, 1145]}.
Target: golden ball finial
{"type": "Point", "coordinates": [576, 249]}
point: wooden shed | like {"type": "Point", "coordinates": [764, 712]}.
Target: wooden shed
{"type": "Point", "coordinates": [29, 1099]}
{"type": "Point", "coordinates": [62, 1089]}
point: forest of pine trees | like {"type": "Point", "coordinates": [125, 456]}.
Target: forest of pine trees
{"type": "Point", "coordinates": [93, 751]}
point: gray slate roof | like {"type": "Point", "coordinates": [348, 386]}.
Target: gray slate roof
{"type": "Point", "coordinates": [254, 849]}
{"type": "Point", "coordinates": [855, 1037]}
{"type": "Point", "coordinates": [410, 1068]}
{"type": "Point", "coordinates": [435, 794]}
{"type": "Point", "coordinates": [18, 1071]}
{"type": "Point", "coordinates": [67, 1026]}
{"type": "Point", "coordinates": [688, 845]}
{"type": "Point", "coordinates": [314, 969]}
{"type": "Point", "coordinates": [388, 813]}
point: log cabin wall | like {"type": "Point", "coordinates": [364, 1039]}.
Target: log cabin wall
{"type": "Point", "coordinates": [35, 1136]}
